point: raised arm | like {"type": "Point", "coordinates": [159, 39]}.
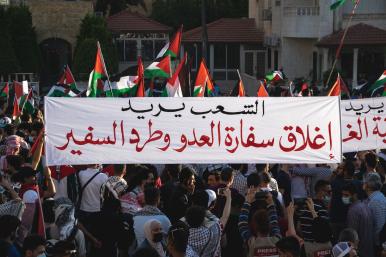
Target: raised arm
{"type": "Point", "coordinates": [273, 219]}
{"type": "Point", "coordinates": [245, 232]}
{"type": "Point", "coordinates": [227, 208]}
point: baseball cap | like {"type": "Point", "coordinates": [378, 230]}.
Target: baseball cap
{"type": "Point", "coordinates": [341, 249]}
{"type": "Point", "coordinates": [212, 196]}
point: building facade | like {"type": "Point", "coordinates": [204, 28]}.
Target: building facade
{"type": "Point", "coordinates": [233, 44]}
{"type": "Point", "coordinates": [294, 31]}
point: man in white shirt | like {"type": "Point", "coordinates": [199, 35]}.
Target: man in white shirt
{"type": "Point", "coordinates": [91, 181]}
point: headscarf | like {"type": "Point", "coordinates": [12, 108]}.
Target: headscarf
{"type": "Point", "coordinates": [149, 225]}
{"type": "Point", "coordinates": [116, 185]}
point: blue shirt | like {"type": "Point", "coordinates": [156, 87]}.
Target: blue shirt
{"type": "Point", "coordinates": [377, 205]}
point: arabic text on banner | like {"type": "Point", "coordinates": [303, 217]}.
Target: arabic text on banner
{"type": "Point", "coordinates": [363, 124]}
{"type": "Point", "coordinates": [192, 130]}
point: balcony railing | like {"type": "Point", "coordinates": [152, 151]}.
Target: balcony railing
{"type": "Point", "coordinates": [301, 11]}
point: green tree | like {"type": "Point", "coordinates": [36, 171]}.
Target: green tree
{"type": "Point", "coordinates": [23, 38]}
{"type": "Point", "coordinates": [188, 12]}
{"type": "Point", "coordinates": [8, 60]}
{"type": "Point", "coordinates": [94, 29]}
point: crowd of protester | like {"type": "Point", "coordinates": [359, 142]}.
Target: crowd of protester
{"type": "Point", "coordinates": [213, 210]}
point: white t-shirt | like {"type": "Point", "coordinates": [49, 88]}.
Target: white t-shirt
{"type": "Point", "coordinates": [91, 199]}
{"type": "Point", "coordinates": [61, 188]}
{"type": "Point", "coordinates": [30, 196]}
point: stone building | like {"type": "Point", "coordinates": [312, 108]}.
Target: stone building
{"type": "Point", "coordinates": [301, 36]}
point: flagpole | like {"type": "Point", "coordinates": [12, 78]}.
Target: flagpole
{"type": "Point", "coordinates": [22, 108]}
{"type": "Point", "coordinates": [104, 67]}
{"type": "Point", "coordinates": [342, 41]}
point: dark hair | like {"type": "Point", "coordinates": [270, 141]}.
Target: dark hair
{"type": "Point", "coordinates": [61, 248]}
{"type": "Point", "coordinates": [10, 129]}
{"type": "Point", "coordinates": [48, 210]}
{"type": "Point", "coordinates": [4, 248]}
{"type": "Point", "coordinates": [186, 174]}
{"type": "Point", "coordinates": [141, 173]}
{"type": "Point", "coordinates": [236, 166]}
{"type": "Point", "coordinates": [371, 160]}
{"type": "Point", "coordinates": [172, 170]}
{"type": "Point", "coordinates": [350, 187]}
{"type": "Point", "coordinates": [179, 234]}
{"type": "Point", "coordinates": [321, 230]}
{"type": "Point", "coordinates": [348, 235]}
{"type": "Point", "coordinates": [8, 224]}
{"type": "Point", "coordinates": [32, 242]}
{"type": "Point", "coordinates": [261, 167]}
{"type": "Point", "coordinates": [24, 126]}
{"type": "Point", "coordinates": [152, 195]}
{"type": "Point", "coordinates": [119, 168]}
{"type": "Point", "coordinates": [15, 161]}
{"type": "Point", "coordinates": [253, 180]}
{"type": "Point", "coordinates": [25, 117]}
{"type": "Point", "coordinates": [349, 168]}
{"type": "Point", "coordinates": [146, 252]}
{"type": "Point", "coordinates": [195, 216]}
{"type": "Point", "coordinates": [200, 198]}
{"type": "Point", "coordinates": [265, 177]}
{"type": "Point", "coordinates": [37, 126]}
{"type": "Point", "coordinates": [320, 184]}
{"type": "Point", "coordinates": [289, 244]}
{"type": "Point", "coordinates": [226, 174]}
{"type": "Point", "coordinates": [261, 221]}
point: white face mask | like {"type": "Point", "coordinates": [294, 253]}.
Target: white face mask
{"type": "Point", "coordinates": [42, 255]}
{"type": "Point", "coordinates": [346, 200]}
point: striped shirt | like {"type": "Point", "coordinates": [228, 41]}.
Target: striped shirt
{"type": "Point", "coordinates": [305, 218]}
{"type": "Point", "coordinates": [377, 205]}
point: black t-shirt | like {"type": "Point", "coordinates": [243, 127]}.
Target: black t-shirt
{"type": "Point", "coordinates": [284, 182]}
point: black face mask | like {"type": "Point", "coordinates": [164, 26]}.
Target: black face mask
{"type": "Point", "coordinates": [158, 237]}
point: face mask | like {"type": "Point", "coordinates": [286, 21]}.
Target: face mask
{"type": "Point", "coordinates": [30, 139]}
{"type": "Point", "coordinates": [346, 200]}
{"type": "Point", "coordinates": [158, 237]}
{"type": "Point", "coordinates": [326, 199]}
{"type": "Point", "coordinates": [42, 255]}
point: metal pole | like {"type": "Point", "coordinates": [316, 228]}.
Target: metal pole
{"type": "Point", "coordinates": [204, 38]}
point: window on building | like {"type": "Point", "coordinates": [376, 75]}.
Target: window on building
{"type": "Point", "coordinates": [121, 49]}
{"type": "Point", "coordinates": [219, 56]}
{"type": "Point", "coordinates": [276, 60]}
{"type": "Point", "coordinates": [233, 56]}
{"type": "Point", "coordinates": [269, 60]}
{"type": "Point", "coordinates": [147, 50]}
{"type": "Point", "coordinates": [131, 51]}
{"type": "Point", "coordinates": [314, 66]}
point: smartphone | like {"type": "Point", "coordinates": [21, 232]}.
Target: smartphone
{"type": "Point", "coordinates": [299, 201]}
{"type": "Point", "coordinates": [221, 191]}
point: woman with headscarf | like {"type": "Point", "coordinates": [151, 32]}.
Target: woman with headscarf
{"type": "Point", "coordinates": [154, 237]}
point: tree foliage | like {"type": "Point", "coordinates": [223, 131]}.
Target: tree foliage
{"type": "Point", "coordinates": [94, 29]}
{"type": "Point", "coordinates": [19, 48]}
{"type": "Point", "coordinates": [188, 12]}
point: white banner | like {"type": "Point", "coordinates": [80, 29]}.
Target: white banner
{"type": "Point", "coordinates": [192, 130]}
{"type": "Point", "coordinates": [363, 124]}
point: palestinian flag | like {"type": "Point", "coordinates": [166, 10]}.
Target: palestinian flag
{"type": "Point", "coordinates": [380, 83]}
{"type": "Point", "coordinates": [173, 85]}
{"type": "Point", "coordinates": [240, 85]}
{"type": "Point", "coordinates": [336, 3]}
{"type": "Point", "coordinates": [140, 81]}
{"type": "Point", "coordinates": [203, 81]}
{"type": "Point", "coordinates": [172, 48]}
{"type": "Point", "coordinates": [27, 102]}
{"type": "Point", "coordinates": [16, 110]}
{"type": "Point", "coordinates": [20, 89]}
{"type": "Point", "coordinates": [61, 91]}
{"type": "Point", "coordinates": [94, 85]}
{"type": "Point", "coordinates": [274, 76]}
{"type": "Point", "coordinates": [68, 79]}
{"type": "Point", "coordinates": [338, 87]}
{"type": "Point", "coordinates": [161, 69]}
{"type": "Point", "coordinates": [124, 87]}
{"type": "Point", "coordinates": [262, 92]}
{"type": "Point", "coordinates": [5, 91]}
